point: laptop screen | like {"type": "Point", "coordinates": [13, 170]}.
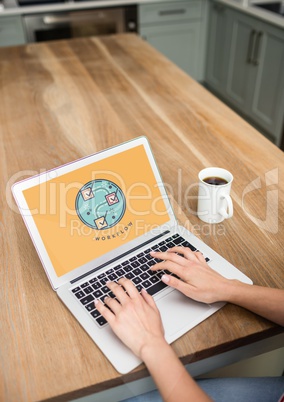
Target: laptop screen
{"type": "Point", "coordinates": [94, 209]}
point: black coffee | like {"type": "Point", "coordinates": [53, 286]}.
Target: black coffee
{"type": "Point", "coordinates": [216, 181]}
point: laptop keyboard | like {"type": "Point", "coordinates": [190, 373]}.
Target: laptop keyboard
{"type": "Point", "coordinates": [137, 269]}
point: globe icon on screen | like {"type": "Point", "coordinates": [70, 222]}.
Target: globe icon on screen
{"type": "Point", "coordinates": [100, 204]}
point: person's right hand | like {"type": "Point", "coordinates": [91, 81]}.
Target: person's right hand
{"type": "Point", "coordinates": [197, 280]}
{"type": "Point", "coordinates": [133, 317]}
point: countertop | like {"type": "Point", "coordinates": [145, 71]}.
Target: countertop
{"type": "Point", "coordinates": [10, 7]}
{"type": "Point", "coordinates": [247, 6]}
{"type": "Point", "coordinates": [63, 100]}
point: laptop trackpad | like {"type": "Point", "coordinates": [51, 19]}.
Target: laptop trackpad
{"type": "Point", "coordinates": [180, 314]}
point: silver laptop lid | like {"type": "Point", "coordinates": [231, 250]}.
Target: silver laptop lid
{"type": "Point", "coordinates": [90, 211]}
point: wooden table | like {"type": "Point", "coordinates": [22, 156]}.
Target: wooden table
{"type": "Point", "coordinates": [63, 100]}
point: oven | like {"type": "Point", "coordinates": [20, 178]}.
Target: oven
{"type": "Point", "coordinates": [80, 23]}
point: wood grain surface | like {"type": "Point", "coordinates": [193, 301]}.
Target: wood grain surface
{"type": "Point", "coordinates": [67, 99]}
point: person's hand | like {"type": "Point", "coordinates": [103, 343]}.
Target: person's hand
{"type": "Point", "coordinates": [197, 280]}
{"type": "Point", "coordinates": [134, 318]}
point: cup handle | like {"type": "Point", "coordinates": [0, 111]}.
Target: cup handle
{"type": "Point", "coordinates": [223, 210]}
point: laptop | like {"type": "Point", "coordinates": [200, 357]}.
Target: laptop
{"type": "Point", "coordinates": [97, 219]}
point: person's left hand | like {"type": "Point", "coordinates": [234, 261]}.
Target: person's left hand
{"type": "Point", "coordinates": [134, 318]}
{"type": "Point", "coordinates": [196, 279]}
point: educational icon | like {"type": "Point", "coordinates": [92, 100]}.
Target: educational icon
{"type": "Point", "coordinates": [100, 204]}
{"type": "Point", "coordinates": [87, 193]}
{"type": "Point", "coordinates": [112, 198]}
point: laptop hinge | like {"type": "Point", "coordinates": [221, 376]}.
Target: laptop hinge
{"type": "Point", "coordinates": [119, 257]}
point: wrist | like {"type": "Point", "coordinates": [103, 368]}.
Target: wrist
{"type": "Point", "coordinates": [154, 348]}
{"type": "Point", "coordinates": [234, 291]}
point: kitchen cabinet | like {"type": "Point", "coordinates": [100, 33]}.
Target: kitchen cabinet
{"type": "Point", "coordinates": [248, 71]}
{"type": "Point", "coordinates": [178, 30]}
{"type": "Point", "coordinates": [256, 65]}
{"type": "Point", "coordinates": [218, 47]}
{"type": "Point", "coordinates": [11, 31]}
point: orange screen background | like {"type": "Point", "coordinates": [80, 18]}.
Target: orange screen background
{"type": "Point", "coordinates": [69, 242]}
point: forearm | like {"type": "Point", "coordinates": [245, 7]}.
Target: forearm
{"type": "Point", "coordinates": [170, 376]}
{"type": "Point", "coordinates": [266, 302]}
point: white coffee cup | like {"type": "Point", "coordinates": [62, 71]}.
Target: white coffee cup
{"type": "Point", "coordinates": [214, 201]}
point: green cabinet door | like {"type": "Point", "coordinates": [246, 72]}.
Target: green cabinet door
{"type": "Point", "coordinates": [179, 42]}
{"type": "Point", "coordinates": [245, 67]}
{"type": "Point", "coordinates": [255, 83]}
{"type": "Point", "coordinates": [218, 46]}
{"type": "Point", "coordinates": [11, 31]}
{"type": "Point", "coordinates": [178, 30]}
{"type": "Point", "coordinates": [267, 99]}
{"type": "Point", "coordinates": [240, 78]}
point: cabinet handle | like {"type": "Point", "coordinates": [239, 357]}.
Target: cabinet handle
{"type": "Point", "coordinates": [172, 12]}
{"type": "Point", "coordinates": [256, 49]}
{"type": "Point", "coordinates": [251, 46]}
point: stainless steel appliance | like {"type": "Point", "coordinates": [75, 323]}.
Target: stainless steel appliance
{"type": "Point", "coordinates": [71, 24]}
{"type": "Point", "coordinates": [275, 7]}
